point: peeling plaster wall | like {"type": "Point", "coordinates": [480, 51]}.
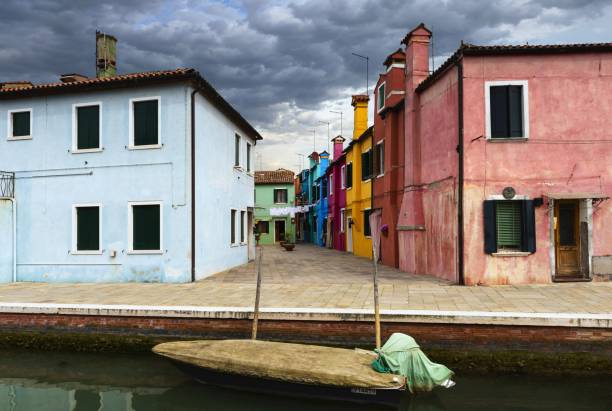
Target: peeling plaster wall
{"type": "Point", "coordinates": [569, 112]}
{"type": "Point", "coordinates": [50, 179]}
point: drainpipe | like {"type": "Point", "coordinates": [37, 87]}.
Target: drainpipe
{"type": "Point", "coordinates": [193, 202]}
{"type": "Point", "coordinates": [14, 210]}
{"type": "Point", "coordinates": [460, 173]}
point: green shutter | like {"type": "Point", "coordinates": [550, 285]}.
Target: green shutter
{"type": "Point", "coordinates": [88, 127]}
{"type": "Point", "coordinates": [88, 228]}
{"type": "Point", "coordinates": [145, 123]}
{"type": "Point", "coordinates": [146, 227]}
{"type": "Point", "coordinates": [508, 224]}
{"type": "Point", "coordinates": [21, 124]}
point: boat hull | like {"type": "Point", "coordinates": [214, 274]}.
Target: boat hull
{"type": "Point", "coordinates": [390, 397]}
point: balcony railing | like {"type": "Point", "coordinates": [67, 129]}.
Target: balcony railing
{"type": "Point", "coordinates": [7, 184]}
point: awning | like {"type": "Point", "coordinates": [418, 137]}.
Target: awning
{"type": "Point", "coordinates": [576, 196]}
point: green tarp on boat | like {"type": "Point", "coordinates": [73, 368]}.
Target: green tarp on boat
{"type": "Point", "coordinates": [402, 355]}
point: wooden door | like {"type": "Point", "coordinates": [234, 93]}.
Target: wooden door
{"type": "Point", "coordinates": [567, 238]}
{"type": "Point", "coordinates": [279, 230]}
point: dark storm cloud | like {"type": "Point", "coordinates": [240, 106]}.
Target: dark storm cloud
{"type": "Point", "coordinates": [263, 55]}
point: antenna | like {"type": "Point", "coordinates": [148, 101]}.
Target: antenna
{"type": "Point", "coordinates": [433, 54]}
{"type": "Point", "coordinates": [367, 59]}
{"type": "Point", "coordinates": [338, 112]}
{"type": "Point", "coordinates": [314, 139]}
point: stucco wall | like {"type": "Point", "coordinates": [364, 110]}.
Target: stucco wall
{"type": "Point", "coordinates": [219, 188]}
{"type": "Point", "coordinates": [432, 250]}
{"type": "Point", "coordinates": [50, 179]}
{"type": "Point", "coordinates": [264, 200]}
{"type": "Point", "coordinates": [568, 151]}
{"type": "Point", "coordinates": [6, 241]}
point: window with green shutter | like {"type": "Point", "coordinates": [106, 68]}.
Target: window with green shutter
{"type": "Point", "coordinates": [20, 124]}
{"type": "Point", "coordinates": [146, 116]}
{"type": "Point", "coordinates": [146, 227]}
{"type": "Point", "coordinates": [367, 230]}
{"type": "Point", "coordinates": [349, 175]}
{"type": "Point", "coordinates": [88, 228]}
{"type": "Point", "coordinates": [366, 165]}
{"type": "Point", "coordinates": [508, 220]}
{"type": "Point", "coordinates": [88, 127]}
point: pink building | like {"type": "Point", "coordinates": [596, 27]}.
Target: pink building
{"type": "Point", "coordinates": [337, 196]}
{"type": "Point", "coordinates": [508, 160]}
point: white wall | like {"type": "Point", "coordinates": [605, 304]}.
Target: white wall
{"type": "Point", "coordinates": [219, 188]}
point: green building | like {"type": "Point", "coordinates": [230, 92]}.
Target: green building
{"type": "Point", "coordinates": [274, 197]}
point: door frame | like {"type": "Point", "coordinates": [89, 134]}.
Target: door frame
{"type": "Point", "coordinates": [585, 214]}
{"type": "Point", "coordinates": [349, 233]}
{"type": "Point", "coordinates": [284, 228]}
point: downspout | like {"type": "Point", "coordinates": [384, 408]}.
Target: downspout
{"type": "Point", "coordinates": [460, 245]}
{"type": "Point", "coordinates": [193, 202]}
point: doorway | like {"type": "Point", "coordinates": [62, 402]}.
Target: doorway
{"type": "Point", "coordinates": [349, 234]}
{"type": "Point", "coordinates": [250, 235]}
{"type": "Point", "coordinates": [279, 230]}
{"type": "Point", "coordinates": [568, 261]}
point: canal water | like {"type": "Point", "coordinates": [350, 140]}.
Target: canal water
{"type": "Point", "coordinates": [103, 382]}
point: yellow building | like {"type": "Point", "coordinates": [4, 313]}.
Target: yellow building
{"type": "Point", "coordinates": [357, 178]}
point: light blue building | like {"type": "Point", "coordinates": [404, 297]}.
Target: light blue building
{"type": "Point", "coordinates": [320, 203]}
{"type": "Point", "coordinates": [139, 177]}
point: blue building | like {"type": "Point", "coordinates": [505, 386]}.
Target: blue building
{"type": "Point", "coordinates": [317, 215]}
{"type": "Point", "coordinates": [142, 177]}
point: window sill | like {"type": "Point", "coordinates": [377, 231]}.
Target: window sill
{"type": "Point", "coordinates": [87, 150]}
{"type": "Point", "coordinates": [19, 138]}
{"type": "Point", "coordinates": [507, 139]}
{"type": "Point", "coordinates": [511, 254]}
{"type": "Point", "coordinates": [234, 245]}
{"type": "Point", "coordinates": [145, 147]}
{"type": "Point", "coordinates": [144, 252]}
{"type": "Point", "coordinates": [380, 175]}
{"type": "Point", "coordinates": [83, 252]}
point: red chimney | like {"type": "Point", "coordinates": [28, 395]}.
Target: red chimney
{"type": "Point", "coordinates": [338, 146]}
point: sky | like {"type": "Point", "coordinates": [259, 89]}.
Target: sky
{"type": "Point", "coordinates": [283, 64]}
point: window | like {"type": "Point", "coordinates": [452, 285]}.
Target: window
{"type": "Point", "coordinates": [366, 165]}
{"type": "Point", "coordinates": [248, 157]}
{"type": "Point", "coordinates": [242, 226]}
{"type": "Point", "coordinates": [343, 177]}
{"type": "Point", "coordinates": [509, 226]}
{"type": "Point", "coordinates": [233, 227]}
{"type": "Point", "coordinates": [20, 124]}
{"type": "Point", "coordinates": [145, 122]}
{"type": "Point", "coordinates": [86, 127]}
{"type": "Point", "coordinates": [86, 229]}
{"type": "Point", "coordinates": [380, 102]}
{"type": "Point", "coordinates": [367, 231]}
{"type": "Point", "coordinates": [331, 184]}
{"type": "Point", "coordinates": [263, 227]}
{"type": "Point", "coordinates": [379, 159]}
{"type": "Point", "coordinates": [145, 224]}
{"type": "Point", "coordinates": [342, 219]}
{"type": "Point", "coordinates": [280, 196]}
{"type": "Point", "coordinates": [349, 175]}
{"type": "Point", "coordinates": [507, 113]}
{"type": "Point", "coordinates": [324, 187]}
{"type": "Point", "coordinates": [237, 151]}
{"type": "Point", "coordinates": [315, 193]}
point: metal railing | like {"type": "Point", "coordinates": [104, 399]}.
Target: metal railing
{"type": "Point", "coordinates": [7, 184]}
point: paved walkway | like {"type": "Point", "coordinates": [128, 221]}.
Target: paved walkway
{"type": "Point", "coordinates": [312, 277]}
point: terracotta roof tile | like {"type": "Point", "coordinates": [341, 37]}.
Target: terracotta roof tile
{"type": "Point", "coordinates": [280, 176]}
{"type": "Point", "coordinates": [135, 79]}
{"type": "Point", "coordinates": [467, 49]}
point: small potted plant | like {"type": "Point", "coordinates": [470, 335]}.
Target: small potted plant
{"type": "Point", "coordinates": [289, 245]}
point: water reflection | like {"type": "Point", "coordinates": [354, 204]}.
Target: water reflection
{"type": "Point", "coordinates": [86, 382]}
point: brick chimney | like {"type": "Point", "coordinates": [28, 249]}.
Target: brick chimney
{"type": "Point", "coordinates": [411, 212]}
{"type": "Point", "coordinates": [417, 56]}
{"type": "Point", "coordinates": [360, 114]}
{"type": "Point", "coordinates": [106, 55]}
{"type": "Point", "coordinates": [338, 146]}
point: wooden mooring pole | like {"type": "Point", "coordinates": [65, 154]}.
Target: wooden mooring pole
{"type": "Point", "coordinates": [257, 293]}
{"type": "Point", "coordinates": [376, 304]}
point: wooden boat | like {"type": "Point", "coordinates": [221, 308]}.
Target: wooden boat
{"type": "Point", "coordinates": [286, 369]}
